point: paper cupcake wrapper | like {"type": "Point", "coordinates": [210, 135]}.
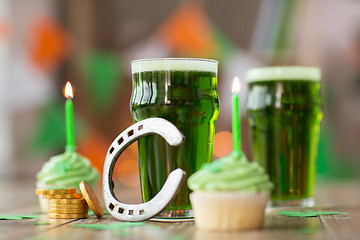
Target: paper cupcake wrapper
{"type": "Point", "coordinates": [228, 210]}
{"type": "Point", "coordinates": [42, 185]}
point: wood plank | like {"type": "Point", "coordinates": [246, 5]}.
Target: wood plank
{"type": "Point", "coordinates": [342, 226]}
{"type": "Point", "coordinates": [17, 197]}
{"type": "Point", "coordinates": [151, 230]}
{"type": "Point", "coordinates": [276, 227]}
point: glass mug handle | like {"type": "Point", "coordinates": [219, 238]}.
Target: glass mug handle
{"type": "Point", "coordinates": [144, 211]}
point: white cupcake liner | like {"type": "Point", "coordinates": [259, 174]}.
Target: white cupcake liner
{"type": "Point", "coordinates": [228, 210]}
{"type": "Point", "coordinates": [44, 204]}
{"type": "Point", "coordinates": [41, 185]}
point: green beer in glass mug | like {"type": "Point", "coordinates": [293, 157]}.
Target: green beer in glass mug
{"type": "Point", "coordinates": [284, 113]}
{"type": "Point", "coordinates": [183, 91]}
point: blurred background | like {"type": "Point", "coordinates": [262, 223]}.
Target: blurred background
{"type": "Point", "coordinates": [91, 43]}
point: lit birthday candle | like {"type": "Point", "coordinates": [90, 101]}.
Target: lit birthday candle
{"type": "Point", "coordinates": [68, 93]}
{"type": "Point", "coordinates": [236, 124]}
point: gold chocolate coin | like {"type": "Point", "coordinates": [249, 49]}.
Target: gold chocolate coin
{"type": "Point", "coordinates": [67, 206]}
{"type": "Point", "coordinates": [91, 199]}
{"type": "Point", "coordinates": [62, 196]}
{"type": "Point", "coordinates": [55, 191]}
{"type": "Point", "coordinates": [67, 201]}
{"type": "Point", "coordinates": [67, 211]}
{"type": "Point", "coordinates": [69, 215]}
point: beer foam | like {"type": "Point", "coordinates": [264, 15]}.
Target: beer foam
{"type": "Point", "coordinates": [287, 73]}
{"type": "Point", "coordinates": [174, 64]}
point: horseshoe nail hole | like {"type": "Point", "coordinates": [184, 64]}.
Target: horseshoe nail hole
{"type": "Point", "coordinates": [111, 206]}
{"type": "Point", "coordinates": [141, 212]}
{"type": "Point", "coordinates": [120, 140]}
{"type": "Point", "coordinates": [130, 133]}
{"type": "Point", "coordinates": [111, 150]}
{"type": "Point", "coordinates": [140, 127]}
{"type": "Point", "coordinates": [121, 210]}
{"type": "Point", "coordinates": [131, 212]}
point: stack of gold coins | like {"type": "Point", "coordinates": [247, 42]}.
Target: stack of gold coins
{"type": "Point", "coordinates": [68, 208]}
{"type": "Point", "coordinates": [65, 203]}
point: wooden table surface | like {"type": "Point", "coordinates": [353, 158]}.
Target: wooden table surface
{"type": "Point", "coordinates": [17, 197]}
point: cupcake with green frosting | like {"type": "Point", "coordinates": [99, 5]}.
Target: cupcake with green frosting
{"type": "Point", "coordinates": [230, 193]}
{"type": "Point", "coordinates": [65, 170]}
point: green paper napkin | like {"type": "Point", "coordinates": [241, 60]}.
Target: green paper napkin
{"type": "Point", "coordinates": [114, 226]}
{"type": "Point", "coordinates": [10, 217]}
{"type": "Point", "coordinates": [42, 223]}
{"type": "Point", "coordinates": [29, 216]}
{"type": "Point", "coordinates": [307, 213]}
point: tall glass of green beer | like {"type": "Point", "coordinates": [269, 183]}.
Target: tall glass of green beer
{"type": "Point", "coordinates": [284, 113]}
{"type": "Point", "coordinates": [183, 91]}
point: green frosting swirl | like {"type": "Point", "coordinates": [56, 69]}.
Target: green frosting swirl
{"type": "Point", "coordinates": [68, 169]}
{"type": "Point", "coordinates": [231, 173]}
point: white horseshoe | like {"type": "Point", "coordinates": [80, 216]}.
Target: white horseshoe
{"type": "Point", "coordinates": [143, 211]}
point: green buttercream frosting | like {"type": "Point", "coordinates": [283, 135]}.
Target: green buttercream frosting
{"type": "Point", "coordinates": [68, 169]}
{"type": "Point", "coordinates": [230, 173]}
